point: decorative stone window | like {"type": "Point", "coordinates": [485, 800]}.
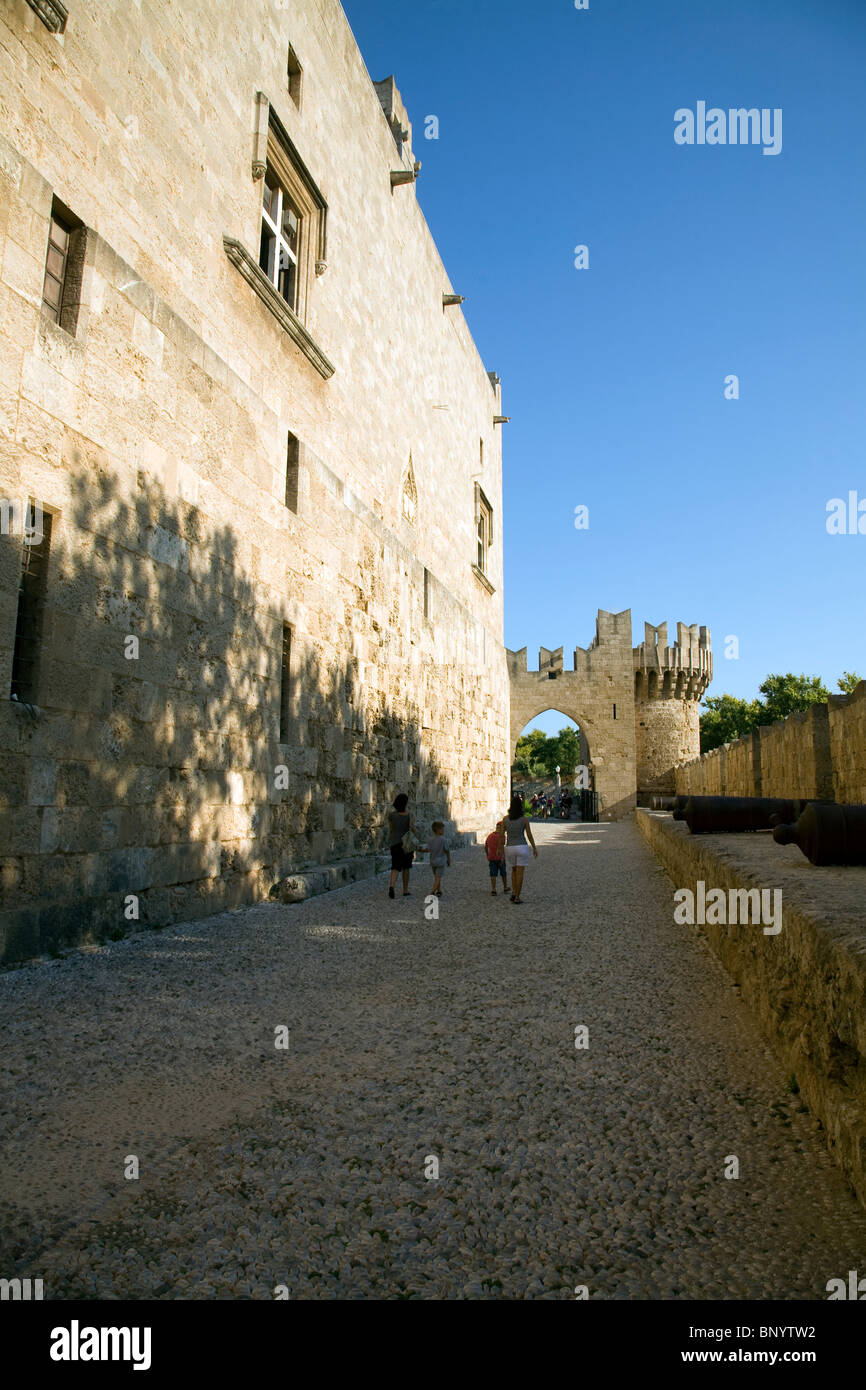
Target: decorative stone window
{"type": "Point", "coordinates": [410, 494]}
{"type": "Point", "coordinates": [484, 537]}
{"type": "Point", "coordinates": [484, 515]}
{"type": "Point", "coordinates": [280, 243]}
{"type": "Point", "coordinates": [293, 231]}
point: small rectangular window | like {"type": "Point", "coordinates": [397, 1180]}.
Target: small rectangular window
{"type": "Point", "coordinates": [31, 606]}
{"type": "Point", "coordinates": [294, 73]}
{"type": "Point", "coordinates": [293, 467]}
{"type": "Point", "coordinates": [64, 262]}
{"type": "Point", "coordinates": [614, 711]}
{"type": "Point", "coordinates": [285, 683]}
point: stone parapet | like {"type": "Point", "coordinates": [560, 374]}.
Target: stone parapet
{"type": "Point", "coordinates": [806, 984]}
{"type": "Point", "coordinates": [817, 753]}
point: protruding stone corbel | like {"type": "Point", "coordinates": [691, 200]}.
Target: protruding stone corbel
{"type": "Point", "coordinates": [501, 419]}
{"type": "Point", "coordinates": [260, 138]}
{"type": "Point", "coordinates": [449, 299]}
{"type": "Point", "coordinates": [321, 267]}
{"type": "Point", "coordinates": [401, 176]}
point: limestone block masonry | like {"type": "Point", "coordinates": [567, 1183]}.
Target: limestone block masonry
{"type": "Point", "coordinates": [279, 505]}
{"type": "Point", "coordinates": [819, 752]}
{"type": "Point", "coordinates": [637, 708]}
{"type": "Point", "coordinates": [807, 983]}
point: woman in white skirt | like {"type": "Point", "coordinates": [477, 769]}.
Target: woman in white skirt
{"type": "Point", "coordinates": [517, 832]}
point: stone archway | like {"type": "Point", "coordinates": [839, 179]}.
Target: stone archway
{"type": "Point", "coordinates": [598, 694]}
{"type": "Point", "coordinates": [557, 708]}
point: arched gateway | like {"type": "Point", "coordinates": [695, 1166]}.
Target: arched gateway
{"type": "Point", "coordinates": [637, 706]}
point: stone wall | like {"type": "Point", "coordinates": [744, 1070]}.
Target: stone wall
{"type": "Point", "coordinates": [848, 745]}
{"type": "Point", "coordinates": [817, 753]}
{"type": "Point", "coordinates": [156, 436]}
{"type": "Point", "coordinates": [805, 984]}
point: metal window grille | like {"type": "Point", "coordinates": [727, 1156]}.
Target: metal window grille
{"type": "Point", "coordinates": [285, 686]}
{"type": "Point", "coordinates": [31, 605]}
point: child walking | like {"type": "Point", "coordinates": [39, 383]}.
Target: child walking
{"type": "Point", "coordinates": [495, 847]}
{"type": "Point", "coordinates": [440, 855]}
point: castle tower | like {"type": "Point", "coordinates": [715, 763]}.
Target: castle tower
{"type": "Point", "coordinates": [669, 683]}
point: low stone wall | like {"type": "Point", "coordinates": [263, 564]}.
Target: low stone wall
{"type": "Point", "coordinates": [806, 985]}
{"type": "Point", "coordinates": [818, 753]}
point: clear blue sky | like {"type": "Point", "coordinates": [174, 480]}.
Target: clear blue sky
{"type": "Point", "coordinates": [556, 129]}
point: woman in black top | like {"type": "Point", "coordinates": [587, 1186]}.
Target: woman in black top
{"type": "Point", "coordinates": [399, 821]}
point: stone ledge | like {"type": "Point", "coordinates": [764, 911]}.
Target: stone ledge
{"type": "Point", "coordinates": [482, 579]}
{"type": "Point", "coordinates": [307, 883]}
{"type": "Point", "coordinates": [257, 280]}
{"type": "Point", "coordinates": [806, 985]}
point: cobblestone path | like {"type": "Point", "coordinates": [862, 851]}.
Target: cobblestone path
{"type": "Point", "coordinates": [412, 1040]}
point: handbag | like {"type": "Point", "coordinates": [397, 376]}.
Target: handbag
{"type": "Point", "coordinates": [410, 842]}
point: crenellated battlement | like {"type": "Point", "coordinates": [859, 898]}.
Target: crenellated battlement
{"type": "Point", "coordinates": [612, 632]}
{"type": "Point", "coordinates": [637, 707]}
{"type": "Point", "coordinates": [678, 672]}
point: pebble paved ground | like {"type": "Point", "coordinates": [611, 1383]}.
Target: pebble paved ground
{"type": "Point", "coordinates": [412, 1040]}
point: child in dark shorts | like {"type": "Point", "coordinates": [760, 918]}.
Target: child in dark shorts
{"type": "Point", "coordinates": [495, 847]}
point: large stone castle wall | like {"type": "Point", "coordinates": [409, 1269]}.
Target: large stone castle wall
{"type": "Point", "coordinates": [815, 753]}
{"type": "Point", "coordinates": [156, 437]}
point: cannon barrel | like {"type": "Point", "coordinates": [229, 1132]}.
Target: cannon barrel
{"type": "Point", "coordinates": [707, 814]}
{"type": "Point", "coordinates": [827, 833]}
{"type": "Point", "coordinates": [665, 803]}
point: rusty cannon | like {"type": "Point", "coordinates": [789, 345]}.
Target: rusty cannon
{"type": "Point", "coordinates": [827, 833]}
{"type": "Point", "coordinates": [723, 814]}
{"type": "Point", "coordinates": [667, 803]}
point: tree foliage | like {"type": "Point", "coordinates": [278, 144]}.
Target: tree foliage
{"type": "Point", "coordinates": [784, 695]}
{"type": "Point", "coordinates": [725, 718]}
{"type": "Point", "coordinates": [538, 754]}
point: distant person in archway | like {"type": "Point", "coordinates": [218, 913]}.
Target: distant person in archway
{"type": "Point", "coordinates": [400, 823]}
{"type": "Point", "coordinates": [517, 832]}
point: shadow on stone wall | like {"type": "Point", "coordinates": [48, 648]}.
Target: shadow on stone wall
{"type": "Point", "coordinates": [146, 782]}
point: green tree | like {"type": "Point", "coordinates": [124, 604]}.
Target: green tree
{"type": "Point", "coordinates": [529, 754]}
{"type": "Point", "coordinates": [564, 750]}
{"type": "Point", "coordinates": [783, 695]}
{"type": "Point", "coordinates": [848, 682]}
{"type": "Point", "coordinates": [726, 718]}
